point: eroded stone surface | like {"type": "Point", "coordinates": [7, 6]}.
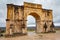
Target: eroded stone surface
{"type": "Point", "coordinates": [17, 17]}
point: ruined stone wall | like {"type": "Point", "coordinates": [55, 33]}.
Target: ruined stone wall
{"type": "Point", "coordinates": [17, 17]}
{"type": "Point", "coordinates": [14, 18]}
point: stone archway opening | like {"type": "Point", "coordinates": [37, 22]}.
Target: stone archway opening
{"type": "Point", "coordinates": [31, 24]}
{"type": "Point", "coordinates": [34, 21]}
{"type": "Point", "coordinates": [17, 15]}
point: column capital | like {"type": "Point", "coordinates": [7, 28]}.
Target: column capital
{"type": "Point", "coordinates": [7, 19]}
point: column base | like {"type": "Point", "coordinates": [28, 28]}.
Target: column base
{"type": "Point", "coordinates": [8, 35]}
{"type": "Point", "coordinates": [47, 32]}
{"type": "Point", "coordinates": [15, 34]}
{"type": "Point", "coordinates": [52, 31]}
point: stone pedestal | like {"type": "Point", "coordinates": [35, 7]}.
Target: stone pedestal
{"type": "Point", "coordinates": [11, 33]}
{"type": "Point", "coordinates": [48, 29]}
{"type": "Point", "coordinates": [24, 30]}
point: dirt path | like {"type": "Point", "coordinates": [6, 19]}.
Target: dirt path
{"type": "Point", "coordinates": [34, 36]}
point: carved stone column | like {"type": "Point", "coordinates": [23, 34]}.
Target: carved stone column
{"type": "Point", "coordinates": [11, 29]}
{"type": "Point", "coordinates": [42, 26]}
{"type": "Point", "coordinates": [38, 26]}
{"type": "Point", "coordinates": [24, 27]}
{"type": "Point", "coordinates": [48, 26]}
{"type": "Point", "coordinates": [7, 26]}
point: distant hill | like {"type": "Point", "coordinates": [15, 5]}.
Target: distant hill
{"type": "Point", "coordinates": [3, 28]}
{"type": "Point", "coordinates": [57, 27]}
{"type": "Point", "coordinates": [30, 28]}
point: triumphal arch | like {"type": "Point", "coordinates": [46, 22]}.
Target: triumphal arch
{"type": "Point", "coordinates": [16, 21]}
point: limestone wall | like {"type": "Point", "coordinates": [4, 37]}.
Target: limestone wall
{"type": "Point", "coordinates": [17, 17]}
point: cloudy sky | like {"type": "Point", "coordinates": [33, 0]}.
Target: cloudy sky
{"type": "Point", "coordinates": [47, 4]}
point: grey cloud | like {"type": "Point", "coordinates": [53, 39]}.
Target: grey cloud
{"type": "Point", "coordinates": [57, 2]}
{"type": "Point", "coordinates": [29, 1]}
{"type": "Point", "coordinates": [2, 20]}
{"type": "Point", "coordinates": [49, 4]}
{"type": "Point", "coordinates": [16, 2]}
{"type": "Point", "coordinates": [31, 20]}
{"type": "Point", "coordinates": [2, 24]}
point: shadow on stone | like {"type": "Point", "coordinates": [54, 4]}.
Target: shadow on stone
{"type": "Point", "coordinates": [1, 35]}
{"type": "Point", "coordinates": [15, 35]}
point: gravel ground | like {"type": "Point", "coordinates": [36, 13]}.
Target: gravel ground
{"type": "Point", "coordinates": [34, 36]}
